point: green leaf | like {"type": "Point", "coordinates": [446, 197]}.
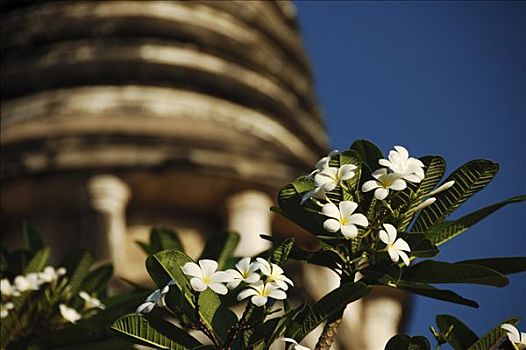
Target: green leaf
{"type": "Point", "coordinates": [447, 230]}
{"type": "Point", "coordinates": [38, 261]}
{"type": "Point", "coordinates": [322, 257]}
{"type": "Point", "coordinates": [77, 264]}
{"type": "Point", "coordinates": [368, 152]}
{"type": "Point", "coordinates": [97, 280]}
{"type": "Point", "coordinates": [435, 167]}
{"type": "Point", "coordinates": [146, 248]}
{"type": "Point", "coordinates": [430, 271]}
{"type": "Point", "coordinates": [331, 303]}
{"type": "Point", "coordinates": [405, 342]}
{"type": "Point", "coordinates": [469, 179]}
{"type": "Point", "coordinates": [493, 337]}
{"type": "Point", "coordinates": [220, 248]}
{"type": "Point", "coordinates": [289, 198]}
{"type": "Point", "coordinates": [32, 239]}
{"type": "Point", "coordinates": [280, 254]}
{"type": "Point", "coordinates": [162, 238]}
{"type": "Point", "coordinates": [426, 290]}
{"type": "Point", "coordinates": [505, 266]}
{"type": "Point", "coordinates": [460, 337]}
{"type": "Point", "coordinates": [421, 247]}
{"type": "Point", "coordinates": [153, 332]}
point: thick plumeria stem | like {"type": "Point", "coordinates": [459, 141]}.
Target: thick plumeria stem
{"type": "Point", "coordinates": [328, 335]}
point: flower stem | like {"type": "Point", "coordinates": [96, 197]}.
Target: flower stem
{"type": "Point", "coordinates": [241, 325]}
{"type": "Point", "coordinates": [328, 335]}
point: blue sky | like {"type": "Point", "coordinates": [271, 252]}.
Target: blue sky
{"type": "Point", "coordinates": [446, 78]}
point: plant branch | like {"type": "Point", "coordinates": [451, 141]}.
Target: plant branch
{"type": "Point", "coordinates": [328, 335]}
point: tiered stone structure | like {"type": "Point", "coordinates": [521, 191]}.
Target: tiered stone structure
{"type": "Point", "coordinates": [120, 115]}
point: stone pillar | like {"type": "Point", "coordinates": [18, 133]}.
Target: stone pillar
{"type": "Point", "coordinates": [249, 214]}
{"type": "Point", "coordinates": [109, 196]}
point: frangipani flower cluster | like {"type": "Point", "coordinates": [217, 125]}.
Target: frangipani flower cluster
{"type": "Point", "coordinates": [24, 284]}
{"type": "Point", "coordinates": [31, 281]}
{"type": "Point", "coordinates": [271, 285]}
{"type": "Point", "coordinates": [399, 168]}
{"type": "Point", "coordinates": [345, 218]}
{"type": "Point", "coordinates": [35, 281]}
{"type": "Point", "coordinates": [263, 281]}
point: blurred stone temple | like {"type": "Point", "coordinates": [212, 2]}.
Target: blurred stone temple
{"type": "Point", "coordinates": [120, 115]}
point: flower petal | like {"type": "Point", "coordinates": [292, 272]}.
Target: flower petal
{"type": "Point", "coordinates": [349, 231]}
{"type": "Point", "coordinates": [384, 237]}
{"type": "Point", "coordinates": [413, 178]}
{"type": "Point", "coordinates": [259, 300]}
{"type": "Point", "coordinates": [512, 332]}
{"type": "Point", "coordinates": [347, 208]}
{"type": "Point", "coordinates": [378, 173]}
{"type": "Point", "coordinates": [331, 225]}
{"type": "Point", "coordinates": [400, 244]}
{"type": "Point", "coordinates": [233, 284]}
{"type": "Point", "coordinates": [278, 294]}
{"type": "Point", "coordinates": [331, 210]}
{"type": "Point", "coordinates": [208, 267]}
{"type": "Point", "coordinates": [221, 277]}
{"type": "Point", "coordinates": [404, 257]}
{"type": "Point", "coordinates": [197, 284]}
{"type": "Point", "coordinates": [219, 288]}
{"type": "Point", "coordinates": [264, 266]}
{"type": "Point", "coordinates": [290, 340]}
{"type": "Point", "coordinates": [391, 232]}
{"type": "Point", "coordinates": [370, 185]}
{"type": "Point", "coordinates": [359, 219]}
{"type": "Point", "coordinates": [384, 162]}
{"type": "Point", "coordinates": [402, 151]}
{"type": "Point", "coordinates": [345, 172]}
{"type": "Point", "coordinates": [245, 293]}
{"type": "Point", "coordinates": [252, 278]}
{"type": "Point", "coordinates": [393, 254]}
{"type": "Point", "coordinates": [398, 185]}
{"type": "Point", "coordinates": [145, 308]}
{"type": "Point", "coordinates": [243, 265]}
{"type": "Point", "coordinates": [381, 193]}
{"type": "Point", "coordinates": [191, 269]}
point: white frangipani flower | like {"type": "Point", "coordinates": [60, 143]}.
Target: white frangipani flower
{"type": "Point", "coordinates": [260, 292]}
{"type": "Point", "coordinates": [29, 282]}
{"type": "Point", "coordinates": [50, 274]}
{"type": "Point", "coordinates": [342, 218]}
{"type": "Point", "coordinates": [4, 309]}
{"type": "Point", "coordinates": [408, 168]}
{"type": "Point", "coordinates": [295, 345]}
{"type": "Point", "coordinates": [514, 336]}
{"type": "Point", "coordinates": [69, 314]}
{"type": "Point", "coordinates": [396, 248]}
{"type": "Point", "coordinates": [384, 182]}
{"type": "Point", "coordinates": [245, 271]}
{"type": "Point", "coordinates": [91, 302]}
{"type": "Point", "coordinates": [442, 187]}
{"type": "Point", "coordinates": [154, 299]}
{"type": "Point", "coordinates": [318, 193]}
{"type": "Point", "coordinates": [331, 177]}
{"type": "Point", "coordinates": [8, 289]}
{"type": "Point", "coordinates": [205, 275]}
{"type": "Point", "coordinates": [274, 274]}
{"type": "Point", "coordinates": [323, 163]}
